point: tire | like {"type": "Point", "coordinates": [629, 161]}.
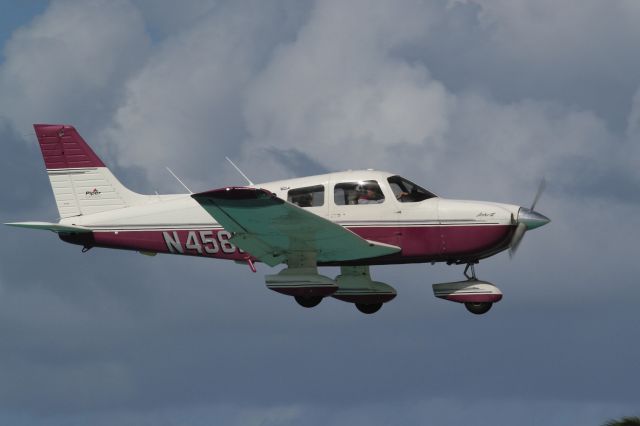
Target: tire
{"type": "Point", "coordinates": [308, 302]}
{"type": "Point", "coordinates": [368, 308]}
{"type": "Point", "coordinates": [478, 308]}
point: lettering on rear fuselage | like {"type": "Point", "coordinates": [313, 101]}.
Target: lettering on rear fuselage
{"type": "Point", "coordinates": [202, 242]}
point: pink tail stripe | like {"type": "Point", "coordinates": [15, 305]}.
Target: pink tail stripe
{"type": "Point", "coordinates": [63, 148]}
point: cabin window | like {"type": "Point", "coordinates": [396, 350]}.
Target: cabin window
{"type": "Point", "coordinates": [310, 196]}
{"type": "Point", "coordinates": [407, 191]}
{"type": "Point", "coordinates": [352, 193]}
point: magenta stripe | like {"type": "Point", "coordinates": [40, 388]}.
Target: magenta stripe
{"type": "Point", "coordinates": [438, 243]}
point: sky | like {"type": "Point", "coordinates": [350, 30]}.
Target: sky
{"type": "Point", "coordinates": [471, 99]}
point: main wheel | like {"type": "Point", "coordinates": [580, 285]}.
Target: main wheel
{"type": "Point", "coordinates": [478, 308]}
{"type": "Point", "coordinates": [308, 302]}
{"type": "Point", "coordinates": [369, 308]}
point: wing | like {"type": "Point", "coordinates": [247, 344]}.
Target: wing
{"type": "Point", "coordinates": [272, 229]}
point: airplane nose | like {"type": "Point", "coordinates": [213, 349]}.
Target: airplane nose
{"type": "Point", "coordinates": [532, 219]}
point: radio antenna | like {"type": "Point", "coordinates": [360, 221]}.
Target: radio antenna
{"type": "Point", "coordinates": [178, 179]}
{"type": "Point", "coordinates": [240, 171]}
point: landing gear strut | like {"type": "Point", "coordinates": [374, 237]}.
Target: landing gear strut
{"type": "Point", "coordinates": [471, 266]}
{"type": "Point", "coordinates": [477, 308]}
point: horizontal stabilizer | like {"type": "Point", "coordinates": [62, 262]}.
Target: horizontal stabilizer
{"type": "Point", "coordinates": [55, 227]}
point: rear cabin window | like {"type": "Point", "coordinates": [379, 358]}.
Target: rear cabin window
{"type": "Point", "coordinates": [352, 193]}
{"type": "Point", "coordinates": [407, 191]}
{"type": "Point", "coordinates": [310, 196]}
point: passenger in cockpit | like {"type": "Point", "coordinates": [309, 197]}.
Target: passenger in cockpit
{"type": "Point", "coordinates": [303, 200]}
{"type": "Point", "coordinates": [369, 195]}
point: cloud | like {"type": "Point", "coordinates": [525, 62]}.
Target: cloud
{"type": "Point", "coordinates": [297, 162]}
{"type": "Point", "coordinates": [632, 149]}
{"type": "Point", "coordinates": [22, 188]}
{"type": "Point", "coordinates": [438, 410]}
{"type": "Point", "coordinates": [184, 107]}
{"type": "Point", "coordinates": [459, 96]}
{"type": "Point", "coordinates": [69, 63]}
{"type": "Point", "coordinates": [541, 51]}
{"type": "Point", "coordinates": [337, 94]}
{"type": "Point", "coordinates": [349, 99]}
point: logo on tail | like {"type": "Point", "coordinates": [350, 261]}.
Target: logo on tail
{"type": "Point", "coordinates": [93, 193]}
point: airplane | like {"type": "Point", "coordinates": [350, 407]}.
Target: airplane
{"type": "Point", "coordinates": [351, 219]}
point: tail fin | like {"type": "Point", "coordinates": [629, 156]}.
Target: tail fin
{"type": "Point", "coordinates": [81, 183]}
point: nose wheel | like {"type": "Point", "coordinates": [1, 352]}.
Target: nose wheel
{"type": "Point", "coordinates": [477, 296]}
{"type": "Point", "coordinates": [478, 308]}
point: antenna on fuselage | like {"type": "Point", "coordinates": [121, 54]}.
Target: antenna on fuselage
{"type": "Point", "coordinates": [178, 179]}
{"type": "Point", "coordinates": [240, 171]}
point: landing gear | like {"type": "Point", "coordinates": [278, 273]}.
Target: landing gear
{"type": "Point", "coordinates": [476, 295]}
{"type": "Point", "coordinates": [478, 308]}
{"type": "Point", "coordinates": [368, 308]}
{"type": "Point", "coordinates": [308, 302]}
{"type": "Point", "coordinates": [357, 287]}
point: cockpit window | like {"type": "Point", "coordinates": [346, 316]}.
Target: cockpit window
{"type": "Point", "coordinates": [407, 191]}
{"type": "Point", "coordinates": [310, 196]}
{"type": "Point", "coordinates": [364, 192]}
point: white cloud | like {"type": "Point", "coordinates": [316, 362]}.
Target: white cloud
{"type": "Point", "coordinates": [170, 17]}
{"type": "Point", "coordinates": [184, 107]}
{"type": "Point", "coordinates": [68, 65]}
{"type": "Point", "coordinates": [337, 94]}
{"type": "Point", "coordinates": [546, 30]}
{"type": "Point", "coordinates": [349, 100]}
{"type": "Point", "coordinates": [344, 86]}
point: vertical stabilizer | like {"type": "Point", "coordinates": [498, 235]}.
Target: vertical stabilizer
{"type": "Point", "coordinates": [81, 183]}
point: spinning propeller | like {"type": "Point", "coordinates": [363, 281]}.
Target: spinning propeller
{"type": "Point", "coordinates": [527, 219]}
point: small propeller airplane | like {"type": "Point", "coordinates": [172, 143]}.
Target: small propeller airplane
{"type": "Point", "coordinates": [351, 219]}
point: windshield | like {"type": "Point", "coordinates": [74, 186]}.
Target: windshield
{"type": "Point", "coordinates": [407, 191]}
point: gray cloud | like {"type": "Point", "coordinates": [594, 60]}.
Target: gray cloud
{"type": "Point", "coordinates": [22, 187]}
{"type": "Point", "coordinates": [69, 63]}
{"type": "Point", "coordinates": [297, 162]}
{"type": "Point", "coordinates": [473, 100]}
{"type": "Point", "coordinates": [184, 107]}
{"type": "Point", "coordinates": [542, 51]}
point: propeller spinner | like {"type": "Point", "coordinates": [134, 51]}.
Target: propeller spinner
{"type": "Point", "coordinates": [528, 219]}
